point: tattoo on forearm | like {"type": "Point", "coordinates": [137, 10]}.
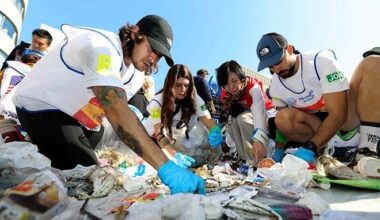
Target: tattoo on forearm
{"type": "Point", "coordinates": [131, 141]}
{"type": "Point", "coordinates": [109, 95]}
{"type": "Point", "coordinates": [163, 142]}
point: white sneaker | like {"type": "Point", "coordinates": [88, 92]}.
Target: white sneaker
{"type": "Point", "coordinates": [351, 139]}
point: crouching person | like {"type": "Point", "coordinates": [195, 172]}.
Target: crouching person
{"type": "Point", "coordinates": [174, 114]}
{"type": "Point", "coordinates": [93, 67]}
{"type": "Point", "coordinates": [244, 107]}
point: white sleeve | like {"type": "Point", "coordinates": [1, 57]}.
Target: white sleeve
{"type": "Point", "coordinates": [7, 75]}
{"type": "Point", "coordinates": [201, 109]}
{"type": "Point", "coordinates": [96, 58]}
{"type": "Point", "coordinates": [331, 77]}
{"type": "Point", "coordinates": [258, 108]}
{"type": "Point", "coordinates": [154, 109]}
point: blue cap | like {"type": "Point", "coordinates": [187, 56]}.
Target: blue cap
{"type": "Point", "coordinates": [269, 51]}
{"type": "Point", "coordinates": [32, 52]}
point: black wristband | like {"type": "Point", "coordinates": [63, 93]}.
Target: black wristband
{"type": "Point", "coordinates": [310, 145]}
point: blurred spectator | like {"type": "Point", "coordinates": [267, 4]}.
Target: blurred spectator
{"type": "Point", "coordinates": [203, 90]}
{"type": "Point", "coordinates": [13, 75]}
{"type": "Point", "coordinates": [41, 40]}
{"type": "Point", "coordinates": [142, 97]}
{"type": "Point", "coordinates": [215, 94]}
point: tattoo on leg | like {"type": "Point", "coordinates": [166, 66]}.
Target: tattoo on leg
{"type": "Point", "coordinates": [130, 141]}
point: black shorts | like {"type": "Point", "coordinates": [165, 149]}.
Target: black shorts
{"type": "Point", "coordinates": [61, 138]}
{"type": "Point", "coordinates": [272, 126]}
{"type": "Point", "coordinates": [321, 115]}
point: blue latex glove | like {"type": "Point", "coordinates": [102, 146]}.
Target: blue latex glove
{"type": "Point", "coordinates": [215, 137]}
{"type": "Point", "coordinates": [180, 180]}
{"type": "Point", "coordinates": [305, 154]}
{"type": "Point", "coordinates": [278, 154]}
{"type": "Point", "coordinates": [184, 160]}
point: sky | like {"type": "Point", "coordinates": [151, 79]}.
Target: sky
{"type": "Point", "coordinates": [210, 32]}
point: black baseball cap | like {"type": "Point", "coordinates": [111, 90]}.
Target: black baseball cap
{"type": "Point", "coordinates": [159, 34]}
{"type": "Point", "coordinates": [373, 51]}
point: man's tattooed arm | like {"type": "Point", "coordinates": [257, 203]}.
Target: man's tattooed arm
{"type": "Point", "coordinates": [126, 124]}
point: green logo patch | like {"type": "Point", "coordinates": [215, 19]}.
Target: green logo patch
{"type": "Point", "coordinates": [335, 76]}
{"type": "Point", "coordinates": [203, 107]}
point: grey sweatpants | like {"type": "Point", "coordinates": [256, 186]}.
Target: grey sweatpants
{"type": "Point", "coordinates": [240, 130]}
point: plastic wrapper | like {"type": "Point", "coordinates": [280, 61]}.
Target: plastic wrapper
{"type": "Point", "coordinates": [18, 160]}
{"type": "Point", "coordinates": [292, 176]}
{"type": "Point", "coordinates": [40, 196]}
{"type": "Point", "coordinates": [112, 151]}
{"type": "Point", "coordinates": [196, 146]}
{"type": "Point", "coordinates": [316, 204]}
{"type": "Point", "coordinates": [179, 206]}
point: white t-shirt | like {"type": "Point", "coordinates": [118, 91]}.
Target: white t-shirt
{"type": "Point", "coordinates": [154, 109]}
{"type": "Point", "coordinates": [12, 76]}
{"type": "Point", "coordinates": [304, 90]}
{"type": "Point", "coordinates": [62, 80]}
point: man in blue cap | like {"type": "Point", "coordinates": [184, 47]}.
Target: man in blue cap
{"type": "Point", "coordinates": [83, 80]}
{"type": "Point", "coordinates": [310, 92]}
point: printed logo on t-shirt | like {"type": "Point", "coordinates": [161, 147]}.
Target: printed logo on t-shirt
{"type": "Point", "coordinates": [203, 107]}
{"type": "Point", "coordinates": [292, 101]}
{"type": "Point", "coordinates": [104, 66]}
{"type": "Point", "coordinates": [14, 81]}
{"type": "Point", "coordinates": [335, 76]}
{"type": "Point", "coordinates": [373, 138]}
{"type": "Point", "coordinates": [156, 113]}
{"type": "Point", "coordinates": [307, 97]}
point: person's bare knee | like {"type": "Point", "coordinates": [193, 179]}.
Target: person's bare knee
{"type": "Point", "coordinates": [283, 120]}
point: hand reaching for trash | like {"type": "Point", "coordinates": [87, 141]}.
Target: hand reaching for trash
{"type": "Point", "coordinates": [215, 137]}
{"type": "Point", "coordinates": [180, 180]}
{"type": "Point", "coordinates": [259, 151]}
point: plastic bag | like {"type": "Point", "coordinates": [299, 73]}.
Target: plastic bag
{"type": "Point", "coordinates": [196, 145]}
{"type": "Point", "coordinates": [112, 151]}
{"type": "Point", "coordinates": [292, 176]}
{"type": "Point", "coordinates": [18, 160]}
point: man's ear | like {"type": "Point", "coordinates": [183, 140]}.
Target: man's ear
{"type": "Point", "coordinates": [290, 49]}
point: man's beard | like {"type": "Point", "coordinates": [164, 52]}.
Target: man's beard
{"type": "Point", "coordinates": [289, 72]}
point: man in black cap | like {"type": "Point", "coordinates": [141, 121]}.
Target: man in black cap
{"type": "Point", "coordinates": [84, 79]}
{"type": "Point", "coordinates": [364, 107]}
{"type": "Point", "coordinates": [310, 92]}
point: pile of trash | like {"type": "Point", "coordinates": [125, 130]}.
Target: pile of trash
{"type": "Point", "coordinates": [126, 187]}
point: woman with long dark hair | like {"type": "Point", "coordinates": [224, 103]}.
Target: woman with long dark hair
{"type": "Point", "coordinates": [174, 114]}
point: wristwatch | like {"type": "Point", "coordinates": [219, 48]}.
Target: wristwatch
{"type": "Point", "coordinates": [310, 145]}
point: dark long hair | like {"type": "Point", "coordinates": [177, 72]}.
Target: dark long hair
{"type": "Point", "coordinates": [186, 105]}
{"type": "Point", "coordinates": [229, 66]}
{"type": "Point", "coordinates": [127, 43]}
